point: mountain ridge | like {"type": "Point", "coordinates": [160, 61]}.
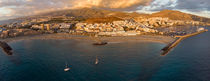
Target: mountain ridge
{"type": "Point", "coordinates": [88, 13]}
{"type": "Point", "coordinates": [102, 13]}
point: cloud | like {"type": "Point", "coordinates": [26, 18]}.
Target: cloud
{"type": "Point", "coordinates": [17, 8]}
{"type": "Point", "coordinates": [5, 12]}
{"type": "Point", "coordinates": [112, 4]}
{"type": "Point", "coordinates": [187, 5]}
{"type": "Point", "coordinates": [31, 7]}
{"type": "Point", "coordinates": [159, 5]}
{"type": "Point", "coordinates": [197, 7]}
{"type": "Point", "coordinates": [193, 5]}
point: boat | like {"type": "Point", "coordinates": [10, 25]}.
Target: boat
{"type": "Point", "coordinates": [100, 43]}
{"type": "Point", "coordinates": [67, 68]}
{"type": "Point", "coordinates": [96, 62]}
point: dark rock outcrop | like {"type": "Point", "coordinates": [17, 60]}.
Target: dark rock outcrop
{"type": "Point", "coordinates": [6, 48]}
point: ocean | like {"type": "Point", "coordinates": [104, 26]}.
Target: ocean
{"type": "Point", "coordinates": [45, 60]}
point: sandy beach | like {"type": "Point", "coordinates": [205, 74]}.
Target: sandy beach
{"type": "Point", "coordinates": [64, 36]}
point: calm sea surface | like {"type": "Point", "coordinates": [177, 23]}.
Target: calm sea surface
{"type": "Point", "coordinates": [44, 60]}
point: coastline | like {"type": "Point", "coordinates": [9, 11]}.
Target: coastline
{"type": "Point", "coordinates": [64, 36]}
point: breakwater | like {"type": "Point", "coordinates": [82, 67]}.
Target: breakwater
{"type": "Point", "coordinates": [6, 48]}
{"type": "Point", "coordinates": [178, 39]}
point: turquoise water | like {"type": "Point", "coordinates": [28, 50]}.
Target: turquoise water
{"type": "Point", "coordinates": [44, 60]}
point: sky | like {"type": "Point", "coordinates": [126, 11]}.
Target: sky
{"type": "Point", "coordinates": [17, 8]}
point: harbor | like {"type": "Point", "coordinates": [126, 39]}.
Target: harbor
{"type": "Point", "coordinates": [117, 61]}
{"type": "Point", "coordinates": [178, 39]}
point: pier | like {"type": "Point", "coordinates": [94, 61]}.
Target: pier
{"type": "Point", "coordinates": [178, 39]}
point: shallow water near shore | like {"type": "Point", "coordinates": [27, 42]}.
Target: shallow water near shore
{"type": "Point", "coordinates": [44, 60]}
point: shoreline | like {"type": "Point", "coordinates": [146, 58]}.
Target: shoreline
{"type": "Point", "coordinates": [65, 36]}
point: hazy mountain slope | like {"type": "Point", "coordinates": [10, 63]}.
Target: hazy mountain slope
{"type": "Point", "coordinates": [102, 20]}
{"type": "Point", "coordinates": [177, 15]}
{"type": "Point", "coordinates": [90, 13]}
{"type": "Point", "coordinates": [9, 21]}
{"type": "Point", "coordinates": [85, 13]}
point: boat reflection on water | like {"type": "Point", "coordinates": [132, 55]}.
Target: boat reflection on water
{"type": "Point", "coordinates": [97, 61]}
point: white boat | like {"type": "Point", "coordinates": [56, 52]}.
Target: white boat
{"type": "Point", "coordinates": [96, 62]}
{"type": "Point", "coordinates": [67, 68]}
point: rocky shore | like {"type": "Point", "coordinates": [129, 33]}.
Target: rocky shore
{"type": "Point", "coordinates": [6, 48]}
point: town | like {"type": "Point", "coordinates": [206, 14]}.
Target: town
{"type": "Point", "coordinates": [125, 27]}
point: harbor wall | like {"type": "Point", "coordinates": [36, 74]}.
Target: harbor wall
{"type": "Point", "coordinates": [178, 39]}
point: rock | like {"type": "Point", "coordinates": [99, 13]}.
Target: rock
{"type": "Point", "coordinates": [6, 48]}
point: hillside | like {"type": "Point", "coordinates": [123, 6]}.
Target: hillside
{"type": "Point", "coordinates": [89, 13]}
{"type": "Point", "coordinates": [102, 20]}
{"type": "Point", "coordinates": [93, 15]}
{"type": "Point", "coordinates": [177, 15]}
{"type": "Point", "coordinates": [84, 13]}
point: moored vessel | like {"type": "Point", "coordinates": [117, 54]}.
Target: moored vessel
{"type": "Point", "coordinates": [100, 43]}
{"type": "Point", "coordinates": [67, 68]}
{"type": "Point", "coordinates": [97, 61]}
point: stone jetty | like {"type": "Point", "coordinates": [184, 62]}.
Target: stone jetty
{"type": "Point", "coordinates": [6, 48]}
{"type": "Point", "coordinates": [170, 46]}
